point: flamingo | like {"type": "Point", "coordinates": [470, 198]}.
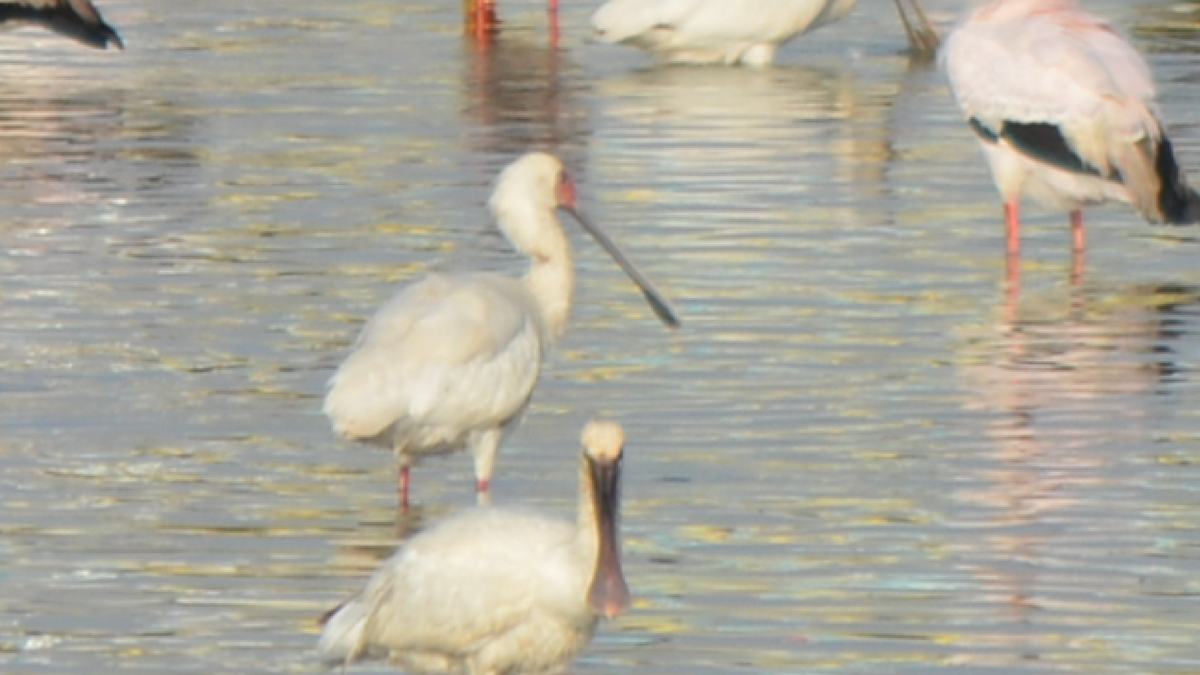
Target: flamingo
{"type": "Point", "coordinates": [451, 361]}
{"type": "Point", "coordinates": [495, 590]}
{"type": "Point", "coordinates": [76, 19]}
{"type": "Point", "coordinates": [1063, 107]}
{"type": "Point", "coordinates": [731, 32]}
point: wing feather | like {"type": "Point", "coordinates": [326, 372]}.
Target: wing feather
{"type": "Point", "coordinates": [448, 345]}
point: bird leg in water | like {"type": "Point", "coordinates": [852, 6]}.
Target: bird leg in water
{"type": "Point", "coordinates": [1012, 222]}
{"type": "Point", "coordinates": [404, 489]}
{"type": "Point", "coordinates": [1078, 240]}
{"type": "Point", "coordinates": [1078, 247]}
{"type": "Point", "coordinates": [481, 17]}
{"type": "Point", "coordinates": [923, 39]}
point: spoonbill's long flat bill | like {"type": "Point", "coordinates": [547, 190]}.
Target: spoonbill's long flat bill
{"type": "Point", "coordinates": [77, 19]}
{"type": "Point", "coordinates": [495, 590]}
{"type": "Point", "coordinates": [731, 32]}
{"type": "Point", "coordinates": [450, 362]}
{"type": "Point", "coordinates": [1063, 107]}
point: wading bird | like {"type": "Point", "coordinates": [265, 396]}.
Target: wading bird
{"type": "Point", "coordinates": [76, 19]}
{"type": "Point", "coordinates": [451, 361]}
{"type": "Point", "coordinates": [1063, 107]}
{"type": "Point", "coordinates": [495, 590]}
{"type": "Point", "coordinates": [746, 32]}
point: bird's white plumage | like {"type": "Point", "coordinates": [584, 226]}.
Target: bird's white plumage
{"type": "Point", "coordinates": [451, 361]}
{"type": "Point", "coordinates": [487, 587]}
{"type": "Point", "coordinates": [495, 590]}
{"type": "Point", "coordinates": [445, 358]}
{"type": "Point", "coordinates": [1049, 61]}
{"type": "Point", "coordinates": [714, 31]}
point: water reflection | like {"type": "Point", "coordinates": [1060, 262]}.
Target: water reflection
{"type": "Point", "coordinates": [1073, 381]}
{"type": "Point", "coordinates": [520, 94]}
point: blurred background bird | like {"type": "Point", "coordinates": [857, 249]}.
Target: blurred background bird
{"type": "Point", "coordinates": [734, 32]}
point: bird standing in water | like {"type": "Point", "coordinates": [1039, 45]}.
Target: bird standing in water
{"type": "Point", "coordinates": [495, 590]}
{"type": "Point", "coordinates": [451, 361]}
{"type": "Point", "coordinates": [1063, 107]}
{"type": "Point", "coordinates": [733, 32]}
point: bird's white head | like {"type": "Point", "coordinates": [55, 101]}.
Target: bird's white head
{"type": "Point", "coordinates": [603, 441]}
{"type": "Point", "coordinates": [526, 195]}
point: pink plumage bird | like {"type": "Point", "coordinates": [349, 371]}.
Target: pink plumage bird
{"type": "Point", "coordinates": [1064, 108]}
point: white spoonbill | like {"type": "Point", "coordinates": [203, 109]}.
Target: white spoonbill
{"type": "Point", "coordinates": [451, 361]}
{"type": "Point", "coordinates": [495, 590]}
{"type": "Point", "coordinates": [76, 19]}
{"type": "Point", "coordinates": [729, 32]}
{"type": "Point", "coordinates": [1064, 109]}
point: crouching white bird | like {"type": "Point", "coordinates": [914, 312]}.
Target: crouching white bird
{"type": "Point", "coordinates": [77, 19]}
{"type": "Point", "coordinates": [1064, 108]}
{"type": "Point", "coordinates": [451, 361]}
{"type": "Point", "coordinates": [495, 590]}
{"type": "Point", "coordinates": [730, 32]}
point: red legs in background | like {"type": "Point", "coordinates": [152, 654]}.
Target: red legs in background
{"type": "Point", "coordinates": [481, 22]}
{"type": "Point", "coordinates": [480, 18]}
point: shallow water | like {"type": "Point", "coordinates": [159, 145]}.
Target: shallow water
{"type": "Point", "coordinates": [863, 452]}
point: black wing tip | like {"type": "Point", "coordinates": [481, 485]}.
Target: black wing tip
{"type": "Point", "coordinates": [99, 35]}
{"type": "Point", "coordinates": [1179, 203]}
{"type": "Point", "coordinates": [1190, 213]}
{"type": "Point", "coordinates": [86, 27]}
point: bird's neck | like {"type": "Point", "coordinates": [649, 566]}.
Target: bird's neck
{"type": "Point", "coordinates": [551, 279]}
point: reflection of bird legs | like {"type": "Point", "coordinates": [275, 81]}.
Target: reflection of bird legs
{"type": "Point", "coordinates": [922, 37]}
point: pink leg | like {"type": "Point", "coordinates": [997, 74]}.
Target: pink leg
{"type": "Point", "coordinates": [1078, 247]}
{"type": "Point", "coordinates": [487, 18]}
{"type": "Point", "coordinates": [1012, 222]}
{"type": "Point", "coordinates": [554, 23]}
{"type": "Point", "coordinates": [404, 489]}
{"type": "Point", "coordinates": [481, 18]}
{"type": "Point", "coordinates": [1077, 237]}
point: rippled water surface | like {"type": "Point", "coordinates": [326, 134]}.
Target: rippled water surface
{"type": "Point", "coordinates": [863, 452]}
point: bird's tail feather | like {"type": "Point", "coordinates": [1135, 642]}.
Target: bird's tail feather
{"type": "Point", "coordinates": [1178, 202]}
{"type": "Point", "coordinates": [342, 638]}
